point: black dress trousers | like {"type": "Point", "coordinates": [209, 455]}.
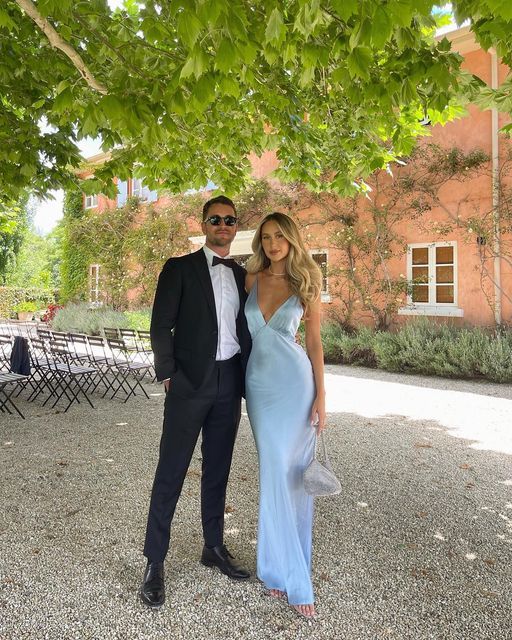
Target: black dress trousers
{"type": "Point", "coordinates": [215, 409]}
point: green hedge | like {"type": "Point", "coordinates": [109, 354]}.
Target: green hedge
{"type": "Point", "coordinates": [425, 348]}
{"type": "Point", "coordinates": [80, 318]}
{"type": "Point", "coordinates": [11, 297]}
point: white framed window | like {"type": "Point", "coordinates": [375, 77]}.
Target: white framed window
{"type": "Point", "coordinates": [91, 202]}
{"type": "Point", "coordinates": [139, 190]}
{"type": "Point", "coordinates": [432, 277]}
{"type": "Point", "coordinates": [95, 284]}
{"type": "Point", "coordinates": [321, 257]}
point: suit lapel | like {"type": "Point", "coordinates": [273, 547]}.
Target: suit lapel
{"type": "Point", "coordinates": [201, 267]}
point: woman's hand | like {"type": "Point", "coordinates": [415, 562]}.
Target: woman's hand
{"type": "Point", "coordinates": [318, 412]}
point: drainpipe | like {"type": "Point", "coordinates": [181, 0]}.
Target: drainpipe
{"type": "Point", "coordinates": [495, 193]}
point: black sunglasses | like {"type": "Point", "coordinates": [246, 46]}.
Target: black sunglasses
{"type": "Point", "coordinates": [229, 221]}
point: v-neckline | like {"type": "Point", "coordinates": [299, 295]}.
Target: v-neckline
{"type": "Point", "coordinates": [275, 310]}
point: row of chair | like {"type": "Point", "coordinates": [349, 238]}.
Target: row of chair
{"type": "Point", "coordinates": [67, 367]}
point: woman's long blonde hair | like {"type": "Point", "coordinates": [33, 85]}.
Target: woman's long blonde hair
{"type": "Point", "coordinates": [303, 273]}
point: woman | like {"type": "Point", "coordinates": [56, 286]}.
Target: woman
{"type": "Point", "coordinates": [285, 400]}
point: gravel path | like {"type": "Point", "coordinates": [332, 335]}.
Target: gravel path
{"type": "Point", "coordinates": [418, 545]}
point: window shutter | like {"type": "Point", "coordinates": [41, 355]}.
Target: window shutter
{"type": "Point", "coordinates": [122, 192]}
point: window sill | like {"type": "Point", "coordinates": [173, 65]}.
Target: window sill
{"type": "Point", "coordinates": [431, 310]}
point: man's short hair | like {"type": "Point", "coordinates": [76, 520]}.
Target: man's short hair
{"type": "Point", "coordinates": [219, 200]}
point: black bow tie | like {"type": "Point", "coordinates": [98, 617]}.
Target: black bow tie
{"type": "Point", "coordinates": [227, 262]}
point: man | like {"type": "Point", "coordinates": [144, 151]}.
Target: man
{"type": "Point", "coordinates": [201, 344]}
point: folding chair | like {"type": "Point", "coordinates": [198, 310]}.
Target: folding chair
{"type": "Point", "coordinates": [65, 380]}
{"type": "Point", "coordinates": [107, 373]}
{"type": "Point", "coordinates": [42, 376]}
{"type": "Point", "coordinates": [6, 402]}
{"type": "Point", "coordinates": [144, 339]}
{"type": "Point", "coordinates": [5, 352]}
{"type": "Point", "coordinates": [78, 343]}
{"type": "Point", "coordinates": [111, 332]}
{"type": "Point", "coordinates": [126, 366]}
{"type": "Point", "coordinates": [44, 334]}
{"type": "Point", "coordinates": [142, 351]}
{"type": "Point", "coordinates": [74, 380]}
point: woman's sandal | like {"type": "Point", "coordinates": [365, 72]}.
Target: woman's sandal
{"type": "Point", "coordinates": [276, 593]}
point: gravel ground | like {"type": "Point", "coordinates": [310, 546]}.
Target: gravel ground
{"type": "Point", "coordinates": [418, 545]}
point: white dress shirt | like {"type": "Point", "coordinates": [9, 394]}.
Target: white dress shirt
{"type": "Point", "coordinates": [227, 306]}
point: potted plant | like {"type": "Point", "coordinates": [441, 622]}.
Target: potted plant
{"type": "Point", "coordinates": [25, 310]}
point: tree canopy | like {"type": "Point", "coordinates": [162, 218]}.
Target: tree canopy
{"type": "Point", "coordinates": [184, 90]}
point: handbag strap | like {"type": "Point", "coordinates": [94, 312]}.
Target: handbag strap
{"type": "Point", "coordinates": [320, 437]}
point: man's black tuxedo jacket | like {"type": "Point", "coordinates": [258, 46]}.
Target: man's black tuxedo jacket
{"type": "Point", "coordinates": [184, 328]}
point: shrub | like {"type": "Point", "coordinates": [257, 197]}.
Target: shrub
{"type": "Point", "coordinates": [81, 319]}
{"type": "Point", "coordinates": [425, 348]}
{"type": "Point", "coordinates": [348, 347]}
{"type": "Point", "coordinates": [496, 361]}
{"type": "Point", "coordinates": [332, 340]}
{"type": "Point", "coordinates": [26, 307]}
{"type": "Point", "coordinates": [359, 348]}
{"type": "Point", "coordinates": [50, 312]}
{"type": "Point", "coordinates": [10, 297]}
{"type": "Point", "coordinates": [139, 319]}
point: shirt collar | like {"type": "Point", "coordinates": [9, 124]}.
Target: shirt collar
{"type": "Point", "coordinates": [210, 254]}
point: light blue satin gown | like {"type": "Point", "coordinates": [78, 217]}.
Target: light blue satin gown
{"type": "Point", "coordinates": [280, 392]}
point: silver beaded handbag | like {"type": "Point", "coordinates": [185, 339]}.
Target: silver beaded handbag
{"type": "Point", "coordinates": [319, 478]}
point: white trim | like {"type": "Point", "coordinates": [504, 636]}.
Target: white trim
{"type": "Point", "coordinates": [93, 203]}
{"type": "Point", "coordinates": [431, 246]}
{"type": "Point", "coordinates": [94, 286]}
{"type": "Point", "coordinates": [431, 310]}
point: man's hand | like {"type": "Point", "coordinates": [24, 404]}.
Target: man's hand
{"type": "Point", "coordinates": [167, 384]}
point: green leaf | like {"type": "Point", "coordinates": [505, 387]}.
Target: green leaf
{"type": "Point", "coordinates": [227, 56]}
{"type": "Point", "coordinates": [382, 27]}
{"type": "Point", "coordinates": [248, 52]}
{"type": "Point", "coordinates": [27, 170]}
{"type": "Point", "coordinates": [289, 53]}
{"type": "Point", "coordinates": [345, 8]}
{"type": "Point", "coordinates": [177, 103]}
{"type": "Point", "coordinates": [401, 12]}
{"type": "Point", "coordinates": [270, 54]}
{"type": "Point", "coordinates": [204, 90]}
{"type": "Point", "coordinates": [307, 76]}
{"type": "Point", "coordinates": [112, 107]}
{"type": "Point", "coordinates": [275, 30]}
{"type": "Point", "coordinates": [407, 92]}
{"type": "Point", "coordinates": [309, 55]}
{"type": "Point", "coordinates": [358, 62]}
{"type": "Point", "coordinates": [6, 21]}
{"type": "Point", "coordinates": [189, 28]}
{"type": "Point", "coordinates": [341, 76]}
{"type": "Point", "coordinates": [196, 65]}
{"type": "Point", "coordinates": [229, 86]}
{"type": "Point", "coordinates": [63, 101]}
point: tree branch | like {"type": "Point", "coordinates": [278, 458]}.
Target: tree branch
{"type": "Point", "coordinates": [57, 42]}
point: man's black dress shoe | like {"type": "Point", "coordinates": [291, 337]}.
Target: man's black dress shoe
{"type": "Point", "coordinates": [221, 558]}
{"type": "Point", "coordinates": [152, 591]}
